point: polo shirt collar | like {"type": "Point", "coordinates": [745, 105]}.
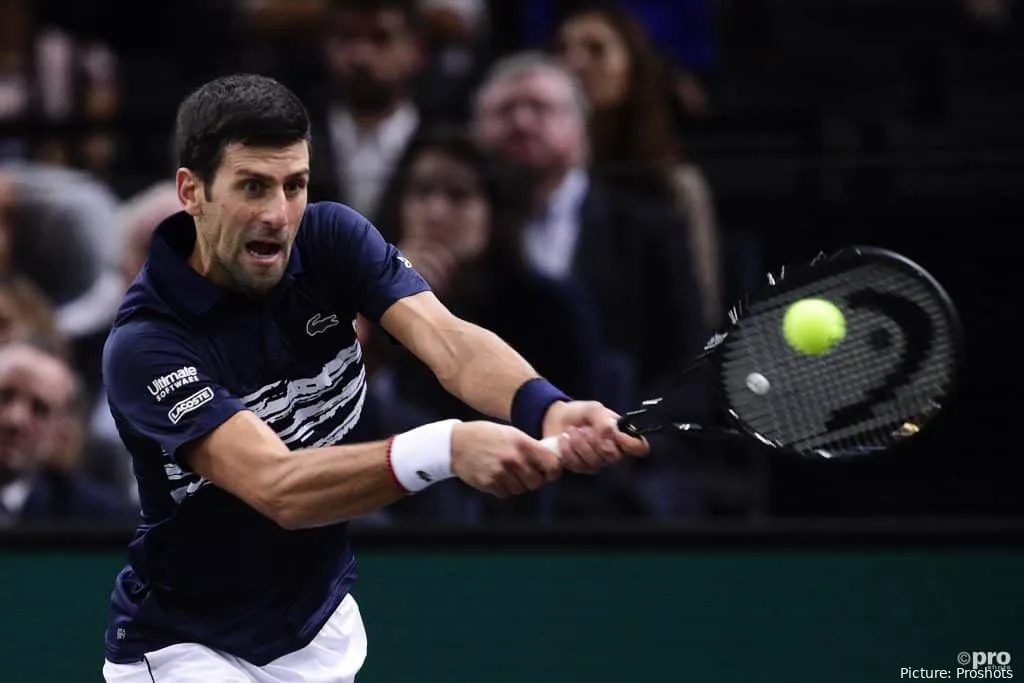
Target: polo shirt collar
{"type": "Point", "coordinates": [173, 241]}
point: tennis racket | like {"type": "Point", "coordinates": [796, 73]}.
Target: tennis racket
{"type": "Point", "coordinates": [880, 386]}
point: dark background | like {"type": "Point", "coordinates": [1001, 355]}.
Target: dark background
{"type": "Point", "coordinates": [886, 122]}
{"type": "Point", "coordinates": [894, 123]}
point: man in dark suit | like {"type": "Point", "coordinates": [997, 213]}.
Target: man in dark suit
{"type": "Point", "coordinates": [631, 253]}
{"type": "Point", "coordinates": [37, 390]}
{"type": "Point", "coordinates": [374, 51]}
{"type": "Point", "coordinates": [628, 251]}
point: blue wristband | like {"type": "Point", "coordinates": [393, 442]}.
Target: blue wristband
{"type": "Point", "coordinates": [530, 404]}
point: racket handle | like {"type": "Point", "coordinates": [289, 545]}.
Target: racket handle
{"type": "Point", "coordinates": [552, 443]}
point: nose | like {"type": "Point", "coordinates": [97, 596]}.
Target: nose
{"type": "Point", "coordinates": [360, 53]}
{"type": "Point", "coordinates": [435, 208]}
{"type": "Point", "coordinates": [523, 117]}
{"type": "Point", "coordinates": [275, 211]}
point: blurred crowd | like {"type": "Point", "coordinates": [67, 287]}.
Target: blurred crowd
{"type": "Point", "coordinates": [531, 158]}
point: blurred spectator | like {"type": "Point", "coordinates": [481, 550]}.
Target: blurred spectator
{"type": "Point", "coordinates": [63, 236]}
{"type": "Point", "coordinates": [26, 315]}
{"type": "Point", "coordinates": [993, 15]}
{"type": "Point", "coordinates": [37, 390]}
{"type": "Point", "coordinates": [457, 35]}
{"type": "Point", "coordinates": [629, 251]}
{"type": "Point", "coordinates": [682, 30]}
{"type": "Point", "coordinates": [106, 458]}
{"type": "Point", "coordinates": [634, 144]}
{"type": "Point", "coordinates": [459, 220]}
{"type": "Point", "coordinates": [50, 76]}
{"type": "Point", "coordinates": [374, 51]}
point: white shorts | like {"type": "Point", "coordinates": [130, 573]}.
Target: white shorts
{"type": "Point", "coordinates": [335, 655]}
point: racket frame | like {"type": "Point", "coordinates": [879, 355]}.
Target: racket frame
{"type": "Point", "coordinates": [737, 428]}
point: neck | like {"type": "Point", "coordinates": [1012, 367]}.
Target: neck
{"type": "Point", "coordinates": [10, 475]}
{"type": "Point", "coordinates": [201, 261]}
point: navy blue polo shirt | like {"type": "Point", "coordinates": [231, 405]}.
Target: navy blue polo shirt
{"type": "Point", "coordinates": [183, 356]}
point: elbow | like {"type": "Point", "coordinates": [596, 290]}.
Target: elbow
{"type": "Point", "coordinates": [276, 500]}
{"type": "Point", "coordinates": [284, 509]}
{"type": "Point", "coordinates": [278, 509]}
{"type": "Point", "coordinates": [286, 516]}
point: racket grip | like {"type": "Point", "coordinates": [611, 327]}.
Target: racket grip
{"type": "Point", "coordinates": [552, 443]}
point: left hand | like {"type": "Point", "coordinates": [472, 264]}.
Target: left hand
{"type": "Point", "coordinates": [588, 436]}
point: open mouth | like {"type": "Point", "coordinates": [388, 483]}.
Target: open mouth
{"type": "Point", "coordinates": [263, 250]}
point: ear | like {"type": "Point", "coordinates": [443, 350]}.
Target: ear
{"type": "Point", "coordinates": [190, 191]}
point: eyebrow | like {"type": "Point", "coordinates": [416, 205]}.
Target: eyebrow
{"type": "Point", "coordinates": [247, 173]}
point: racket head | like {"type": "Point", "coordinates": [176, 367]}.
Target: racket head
{"type": "Point", "coordinates": [881, 385]}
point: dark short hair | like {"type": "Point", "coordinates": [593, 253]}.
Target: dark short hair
{"type": "Point", "coordinates": [253, 110]}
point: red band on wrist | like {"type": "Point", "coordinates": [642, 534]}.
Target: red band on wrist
{"type": "Point", "coordinates": [391, 468]}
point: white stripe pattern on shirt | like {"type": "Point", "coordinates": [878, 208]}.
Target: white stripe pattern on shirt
{"type": "Point", "coordinates": [325, 406]}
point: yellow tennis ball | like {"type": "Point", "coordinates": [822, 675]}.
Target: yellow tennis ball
{"type": "Point", "coordinates": [813, 326]}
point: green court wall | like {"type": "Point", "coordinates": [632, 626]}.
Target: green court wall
{"type": "Point", "coordinates": [629, 615]}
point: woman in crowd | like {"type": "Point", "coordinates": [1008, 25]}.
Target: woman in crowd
{"type": "Point", "coordinates": [458, 219]}
{"type": "Point", "coordinates": [634, 144]}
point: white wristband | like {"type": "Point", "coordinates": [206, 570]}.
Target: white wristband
{"type": "Point", "coordinates": [422, 456]}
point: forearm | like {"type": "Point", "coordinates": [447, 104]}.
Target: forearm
{"type": "Point", "coordinates": [321, 486]}
{"type": "Point", "coordinates": [472, 363]}
{"type": "Point", "coordinates": [483, 371]}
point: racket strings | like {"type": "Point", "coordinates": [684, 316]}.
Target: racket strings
{"type": "Point", "coordinates": [895, 360]}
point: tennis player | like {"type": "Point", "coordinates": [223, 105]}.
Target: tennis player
{"type": "Point", "coordinates": [237, 384]}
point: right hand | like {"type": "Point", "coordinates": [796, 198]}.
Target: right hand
{"type": "Point", "coordinates": [501, 460]}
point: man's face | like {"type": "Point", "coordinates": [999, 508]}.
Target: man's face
{"type": "Point", "coordinates": [371, 57]}
{"type": "Point", "coordinates": [247, 219]}
{"type": "Point", "coordinates": [34, 392]}
{"type": "Point", "coordinates": [531, 120]}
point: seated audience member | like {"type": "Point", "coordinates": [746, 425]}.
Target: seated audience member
{"type": "Point", "coordinates": [366, 112]}
{"type": "Point", "coordinates": [62, 231]}
{"type": "Point", "coordinates": [137, 220]}
{"type": "Point", "coordinates": [633, 141]}
{"type": "Point", "coordinates": [458, 36]}
{"type": "Point", "coordinates": [37, 389]}
{"type": "Point", "coordinates": [458, 220]}
{"type": "Point", "coordinates": [629, 251]}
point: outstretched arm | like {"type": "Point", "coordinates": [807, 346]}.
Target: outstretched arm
{"type": "Point", "coordinates": [203, 428]}
{"type": "Point", "coordinates": [479, 368]}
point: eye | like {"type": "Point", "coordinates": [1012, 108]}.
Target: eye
{"type": "Point", "coordinates": [41, 409]}
{"type": "Point", "coordinates": [252, 187]}
{"type": "Point", "coordinates": [293, 187]}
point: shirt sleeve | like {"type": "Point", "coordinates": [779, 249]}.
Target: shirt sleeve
{"type": "Point", "coordinates": [161, 388]}
{"type": "Point", "coordinates": [371, 268]}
